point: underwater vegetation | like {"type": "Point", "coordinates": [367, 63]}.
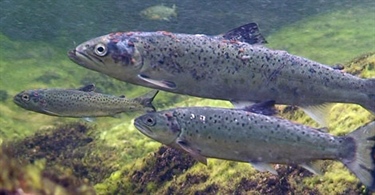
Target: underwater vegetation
{"type": "Point", "coordinates": [111, 156]}
{"type": "Point", "coordinates": [41, 164]}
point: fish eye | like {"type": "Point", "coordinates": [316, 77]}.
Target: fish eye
{"type": "Point", "coordinates": [100, 49]}
{"type": "Point", "coordinates": [150, 121]}
{"type": "Point", "coordinates": [25, 97]}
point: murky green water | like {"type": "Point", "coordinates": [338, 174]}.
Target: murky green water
{"type": "Point", "coordinates": [35, 36]}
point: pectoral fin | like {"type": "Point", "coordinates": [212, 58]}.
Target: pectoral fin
{"type": "Point", "coordinates": [50, 113]}
{"type": "Point", "coordinates": [160, 83]}
{"type": "Point", "coordinates": [318, 112]}
{"type": "Point", "coordinates": [194, 152]}
{"type": "Point", "coordinates": [262, 167]}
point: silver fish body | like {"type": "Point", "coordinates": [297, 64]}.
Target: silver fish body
{"type": "Point", "coordinates": [80, 103]}
{"type": "Point", "coordinates": [243, 136]}
{"type": "Point", "coordinates": [218, 67]}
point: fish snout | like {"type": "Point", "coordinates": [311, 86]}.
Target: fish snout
{"type": "Point", "coordinates": [17, 99]}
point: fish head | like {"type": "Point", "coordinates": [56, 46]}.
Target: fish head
{"type": "Point", "coordinates": [114, 54]}
{"type": "Point", "coordinates": [161, 126]}
{"type": "Point", "coordinates": [33, 100]}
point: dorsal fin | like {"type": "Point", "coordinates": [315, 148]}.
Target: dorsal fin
{"type": "Point", "coordinates": [265, 108]}
{"type": "Point", "coordinates": [87, 88]}
{"type": "Point", "coordinates": [248, 33]}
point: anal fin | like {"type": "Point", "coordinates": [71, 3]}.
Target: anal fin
{"type": "Point", "coordinates": [318, 112]}
{"type": "Point", "coordinates": [262, 167]}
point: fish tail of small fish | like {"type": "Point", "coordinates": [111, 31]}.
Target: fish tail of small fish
{"type": "Point", "coordinates": [362, 164]}
{"type": "Point", "coordinates": [370, 104]}
{"type": "Point", "coordinates": [147, 99]}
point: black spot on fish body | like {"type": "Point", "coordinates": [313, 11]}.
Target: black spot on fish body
{"type": "Point", "coordinates": [371, 138]}
{"type": "Point", "coordinates": [312, 70]}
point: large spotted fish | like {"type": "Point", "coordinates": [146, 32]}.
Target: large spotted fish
{"type": "Point", "coordinates": [243, 136]}
{"type": "Point", "coordinates": [82, 102]}
{"type": "Point", "coordinates": [234, 66]}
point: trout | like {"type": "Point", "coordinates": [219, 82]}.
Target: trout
{"type": "Point", "coordinates": [235, 66]}
{"type": "Point", "coordinates": [261, 140]}
{"type": "Point", "coordinates": [82, 102]}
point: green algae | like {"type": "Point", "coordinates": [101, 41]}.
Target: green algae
{"type": "Point", "coordinates": [21, 178]}
{"type": "Point", "coordinates": [330, 38]}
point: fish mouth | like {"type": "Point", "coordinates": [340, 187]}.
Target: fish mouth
{"type": "Point", "coordinates": [83, 59]}
{"type": "Point", "coordinates": [17, 100]}
{"type": "Point", "coordinates": [72, 54]}
{"type": "Point", "coordinates": [77, 57]}
{"type": "Point", "coordinates": [143, 128]}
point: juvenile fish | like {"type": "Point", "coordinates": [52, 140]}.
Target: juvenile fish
{"type": "Point", "coordinates": [238, 135]}
{"type": "Point", "coordinates": [234, 66]}
{"type": "Point", "coordinates": [83, 102]}
{"type": "Point", "coordinates": [159, 12]}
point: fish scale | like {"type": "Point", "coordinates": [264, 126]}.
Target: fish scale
{"type": "Point", "coordinates": [234, 67]}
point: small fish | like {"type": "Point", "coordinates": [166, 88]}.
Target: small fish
{"type": "Point", "coordinates": [159, 12]}
{"type": "Point", "coordinates": [82, 102]}
{"type": "Point", "coordinates": [235, 66]}
{"type": "Point", "coordinates": [261, 140]}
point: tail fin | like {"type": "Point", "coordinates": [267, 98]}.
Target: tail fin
{"type": "Point", "coordinates": [363, 162]}
{"type": "Point", "coordinates": [146, 100]}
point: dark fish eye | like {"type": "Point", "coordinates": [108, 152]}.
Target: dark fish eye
{"type": "Point", "coordinates": [25, 97]}
{"type": "Point", "coordinates": [150, 121]}
{"type": "Point", "coordinates": [100, 49]}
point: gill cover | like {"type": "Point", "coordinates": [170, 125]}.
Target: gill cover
{"type": "Point", "coordinates": [121, 47]}
{"type": "Point", "coordinates": [160, 126]}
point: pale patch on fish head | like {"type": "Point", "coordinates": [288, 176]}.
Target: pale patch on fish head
{"type": "Point", "coordinates": [114, 54]}
{"type": "Point", "coordinates": [161, 126]}
{"type": "Point", "coordinates": [33, 100]}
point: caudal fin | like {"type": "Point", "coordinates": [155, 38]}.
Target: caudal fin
{"type": "Point", "coordinates": [146, 100]}
{"type": "Point", "coordinates": [363, 162]}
